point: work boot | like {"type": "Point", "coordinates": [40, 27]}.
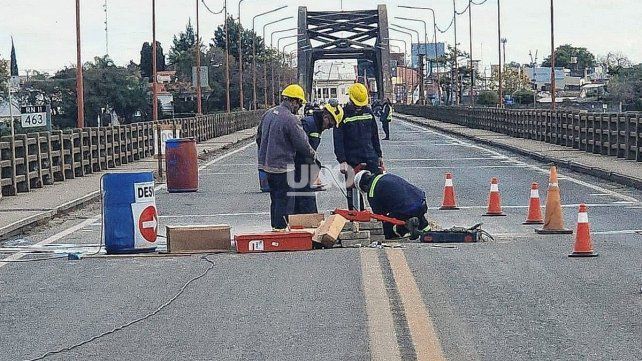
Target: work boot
{"type": "Point", "coordinates": [413, 226]}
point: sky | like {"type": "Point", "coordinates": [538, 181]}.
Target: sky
{"type": "Point", "coordinates": [44, 30]}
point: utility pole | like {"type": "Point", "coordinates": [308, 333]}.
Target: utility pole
{"type": "Point", "coordinates": [154, 66]}
{"type": "Point", "coordinates": [499, 49]}
{"type": "Point", "coordinates": [80, 99]}
{"type": "Point", "coordinates": [456, 58]}
{"type": "Point", "coordinates": [199, 97]}
{"type": "Point", "coordinates": [552, 57]}
{"type": "Point", "coordinates": [472, 68]}
{"type": "Point", "coordinates": [227, 64]}
{"type": "Point", "coordinates": [240, 59]}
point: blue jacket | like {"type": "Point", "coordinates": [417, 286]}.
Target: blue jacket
{"type": "Point", "coordinates": [311, 127]}
{"type": "Point", "coordinates": [280, 137]}
{"type": "Point", "coordinates": [356, 140]}
{"type": "Point", "coordinates": [392, 194]}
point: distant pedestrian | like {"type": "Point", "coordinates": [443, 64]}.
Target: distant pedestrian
{"type": "Point", "coordinates": [280, 137]}
{"type": "Point", "coordinates": [386, 118]}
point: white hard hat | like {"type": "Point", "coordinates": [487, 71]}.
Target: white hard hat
{"type": "Point", "coordinates": [357, 179]}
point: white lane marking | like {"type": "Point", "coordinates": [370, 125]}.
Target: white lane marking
{"type": "Point", "coordinates": [464, 167]}
{"type": "Point", "coordinates": [218, 159]}
{"type": "Point", "coordinates": [440, 159]}
{"type": "Point", "coordinates": [598, 233]}
{"type": "Point", "coordinates": [51, 239]}
{"type": "Point", "coordinates": [533, 167]}
{"type": "Point", "coordinates": [226, 173]}
{"type": "Point", "coordinates": [381, 328]}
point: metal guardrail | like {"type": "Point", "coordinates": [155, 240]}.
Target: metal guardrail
{"type": "Point", "coordinates": [611, 134]}
{"type": "Point", "coordinates": [34, 160]}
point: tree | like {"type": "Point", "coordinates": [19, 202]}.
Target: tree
{"type": "Point", "coordinates": [524, 97]}
{"type": "Point", "coordinates": [626, 87]}
{"type": "Point", "coordinates": [488, 98]}
{"type": "Point", "coordinates": [246, 41]}
{"type": "Point", "coordinates": [14, 61]}
{"type": "Point", "coordinates": [564, 53]}
{"type": "Point", "coordinates": [513, 79]}
{"type": "Point", "coordinates": [4, 75]}
{"type": "Point", "coordinates": [146, 60]}
{"type": "Point", "coordinates": [614, 62]}
{"type": "Point", "coordinates": [181, 54]}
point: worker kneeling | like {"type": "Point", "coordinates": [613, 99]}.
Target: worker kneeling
{"type": "Point", "coordinates": [392, 196]}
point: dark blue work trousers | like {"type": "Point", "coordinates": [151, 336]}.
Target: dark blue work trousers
{"type": "Point", "coordinates": [282, 200]}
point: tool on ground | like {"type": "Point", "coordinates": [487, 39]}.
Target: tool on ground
{"type": "Point", "coordinates": [273, 242]}
{"type": "Point", "coordinates": [583, 246]}
{"type": "Point", "coordinates": [457, 235]}
{"type": "Point", "coordinates": [494, 200]}
{"type": "Point", "coordinates": [534, 215]}
{"type": "Point", "coordinates": [553, 218]}
{"type": "Point", "coordinates": [367, 216]}
{"type": "Point", "coordinates": [449, 202]}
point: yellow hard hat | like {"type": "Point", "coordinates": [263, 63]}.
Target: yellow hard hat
{"type": "Point", "coordinates": [336, 111]}
{"type": "Point", "coordinates": [358, 94]}
{"type": "Point", "coordinates": [294, 91]}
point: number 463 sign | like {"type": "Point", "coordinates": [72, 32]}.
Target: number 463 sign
{"type": "Point", "coordinates": [33, 116]}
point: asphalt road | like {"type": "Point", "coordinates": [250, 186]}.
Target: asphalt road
{"type": "Point", "coordinates": [516, 298]}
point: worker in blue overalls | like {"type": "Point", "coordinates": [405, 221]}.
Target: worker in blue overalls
{"type": "Point", "coordinates": [390, 195]}
{"type": "Point", "coordinates": [305, 175]}
{"type": "Point", "coordinates": [356, 139]}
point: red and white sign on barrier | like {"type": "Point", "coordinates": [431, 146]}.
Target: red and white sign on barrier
{"type": "Point", "coordinates": [145, 215]}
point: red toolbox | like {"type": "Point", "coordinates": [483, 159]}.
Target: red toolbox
{"type": "Point", "coordinates": [273, 242]}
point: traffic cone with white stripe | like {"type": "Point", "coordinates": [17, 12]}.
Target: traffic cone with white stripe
{"type": "Point", "coordinates": [583, 246]}
{"type": "Point", "coordinates": [553, 218]}
{"type": "Point", "coordinates": [534, 208]}
{"type": "Point", "coordinates": [449, 202]}
{"type": "Point", "coordinates": [494, 200]}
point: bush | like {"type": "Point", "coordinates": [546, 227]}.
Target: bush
{"type": "Point", "coordinates": [488, 98]}
{"type": "Point", "coordinates": [523, 97]}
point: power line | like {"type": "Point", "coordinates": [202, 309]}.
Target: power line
{"type": "Point", "coordinates": [210, 10]}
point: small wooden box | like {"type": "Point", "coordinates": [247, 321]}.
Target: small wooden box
{"type": "Point", "coordinates": [199, 239]}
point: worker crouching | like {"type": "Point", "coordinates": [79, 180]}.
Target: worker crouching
{"type": "Point", "coordinates": [390, 195]}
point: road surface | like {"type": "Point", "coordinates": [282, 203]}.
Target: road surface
{"type": "Point", "coordinates": [516, 298]}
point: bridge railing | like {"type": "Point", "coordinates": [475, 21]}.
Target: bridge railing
{"type": "Point", "coordinates": [612, 134]}
{"type": "Point", "coordinates": [29, 161]}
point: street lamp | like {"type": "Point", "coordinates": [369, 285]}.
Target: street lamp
{"type": "Point", "coordinates": [425, 44]}
{"type": "Point", "coordinates": [265, 62]}
{"type": "Point", "coordinates": [412, 78]}
{"type": "Point", "coordinates": [499, 50]}
{"type": "Point", "coordinates": [80, 102]}
{"type": "Point", "coordinates": [278, 41]}
{"type": "Point", "coordinates": [422, 97]}
{"type": "Point", "coordinates": [254, 102]}
{"type": "Point", "coordinates": [199, 104]}
{"type": "Point", "coordinates": [240, 45]}
{"type": "Point", "coordinates": [553, 90]}
{"type": "Point", "coordinates": [434, 27]}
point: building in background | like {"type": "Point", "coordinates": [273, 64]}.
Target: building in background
{"type": "Point", "coordinates": [332, 80]}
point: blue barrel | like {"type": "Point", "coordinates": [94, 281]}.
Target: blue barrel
{"type": "Point", "coordinates": [130, 221]}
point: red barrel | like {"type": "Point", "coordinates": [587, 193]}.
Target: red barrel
{"type": "Point", "coordinates": [181, 163]}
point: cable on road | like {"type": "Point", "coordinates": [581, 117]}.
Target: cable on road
{"type": "Point", "coordinates": [335, 180]}
{"type": "Point", "coordinates": [133, 322]}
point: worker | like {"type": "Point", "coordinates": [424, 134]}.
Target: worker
{"type": "Point", "coordinates": [328, 117]}
{"type": "Point", "coordinates": [356, 139]}
{"type": "Point", "coordinates": [386, 118]}
{"type": "Point", "coordinates": [280, 137]}
{"type": "Point", "coordinates": [390, 195]}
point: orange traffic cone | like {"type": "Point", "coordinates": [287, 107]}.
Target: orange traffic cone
{"type": "Point", "coordinates": [583, 246]}
{"type": "Point", "coordinates": [534, 208]}
{"type": "Point", "coordinates": [449, 202]}
{"type": "Point", "coordinates": [553, 219]}
{"type": "Point", "coordinates": [494, 200]}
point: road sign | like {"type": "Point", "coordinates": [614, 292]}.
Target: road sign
{"type": "Point", "coordinates": [166, 132]}
{"type": "Point", "coordinates": [148, 224]}
{"type": "Point", "coordinates": [33, 116]}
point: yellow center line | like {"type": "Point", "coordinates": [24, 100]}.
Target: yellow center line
{"type": "Point", "coordinates": [422, 331]}
{"type": "Point", "coordinates": [381, 327]}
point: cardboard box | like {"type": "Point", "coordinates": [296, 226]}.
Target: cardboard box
{"type": "Point", "coordinates": [198, 239]}
{"type": "Point", "coordinates": [273, 242]}
{"type": "Point", "coordinates": [301, 221]}
{"type": "Point", "coordinates": [328, 232]}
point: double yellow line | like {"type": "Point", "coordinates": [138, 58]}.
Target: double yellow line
{"type": "Point", "coordinates": [381, 326]}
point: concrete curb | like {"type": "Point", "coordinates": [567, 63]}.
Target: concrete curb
{"type": "Point", "coordinates": [574, 166]}
{"type": "Point", "coordinates": [25, 224]}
